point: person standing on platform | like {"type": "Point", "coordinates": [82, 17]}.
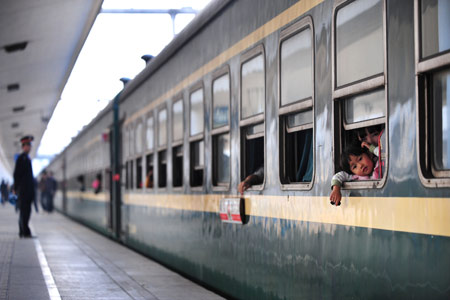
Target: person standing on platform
{"type": "Point", "coordinates": [24, 186]}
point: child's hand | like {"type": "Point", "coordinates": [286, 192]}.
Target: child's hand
{"type": "Point", "coordinates": [335, 197]}
{"type": "Point", "coordinates": [365, 144]}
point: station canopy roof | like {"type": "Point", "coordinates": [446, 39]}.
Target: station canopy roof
{"type": "Point", "coordinates": [40, 41]}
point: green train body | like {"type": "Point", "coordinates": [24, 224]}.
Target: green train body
{"type": "Point", "coordinates": [389, 239]}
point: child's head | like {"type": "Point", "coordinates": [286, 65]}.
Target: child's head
{"type": "Point", "coordinates": [357, 160]}
{"type": "Point", "coordinates": [369, 134]}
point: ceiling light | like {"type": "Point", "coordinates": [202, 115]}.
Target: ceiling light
{"type": "Point", "coordinates": [15, 47]}
{"type": "Point", "coordinates": [13, 87]}
{"type": "Point", "coordinates": [18, 108]}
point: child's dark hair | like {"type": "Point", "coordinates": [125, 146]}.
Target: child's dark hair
{"type": "Point", "coordinates": [351, 149]}
{"type": "Point", "coordinates": [361, 132]}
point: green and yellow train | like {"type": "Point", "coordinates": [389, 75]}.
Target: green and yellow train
{"type": "Point", "coordinates": [280, 86]}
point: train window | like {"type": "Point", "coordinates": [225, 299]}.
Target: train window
{"type": "Point", "coordinates": [296, 105]}
{"type": "Point", "coordinates": [252, 84]}
{"type": "Point", "coordinates": [221, 128]}
{"type": "Point", "coordinates": [433, 100]}
{"type": "Point", "coordinates": [130, 140]}
{"type": "Point", "coordinates": [138, 138]}
{"type": "Point", "coordinates": [131, 172]}
{"type": "Point", "coordinates": [162, 144]}
{"type": "Point", "coordinates": [149, 171]}
{"type": "Point", "coordinates": [359, 90]}
{"type": "Point", "coordinates": [177, 143]}
{"type": "Point", "coordinates": [251, 123]}
{"type": "Point", "coordinates": [196, 137]}
{"type": "Point", "coordinates": [435, 23]}
{"type": "Point", "coordinates": [139, 182]}
{"type": "Point", "coordinates": [359, 35]}
{"type": "Point", "coordinates": [150, 133]}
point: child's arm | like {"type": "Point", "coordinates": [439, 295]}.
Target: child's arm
{"type": "Point", "coordinates": [336, 182]}
{"type": "Point", "coordinates": [372, 148]}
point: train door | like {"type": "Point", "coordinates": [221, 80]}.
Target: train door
{"type": "Point", "coordinates": [115, 178]}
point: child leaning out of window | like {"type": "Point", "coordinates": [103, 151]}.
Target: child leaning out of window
{"type": "Point", "coordinates": [358, 163]}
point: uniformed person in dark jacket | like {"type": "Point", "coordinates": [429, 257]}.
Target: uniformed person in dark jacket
{"type": "Point", "coordinates": [24, 186]}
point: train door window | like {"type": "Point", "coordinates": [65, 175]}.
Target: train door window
{"type": "Point", "coordinates": [432, 19]}
{"type": "Point", "coordinates": [359, 92]}
{"type": "Point", "coordinates": [177, 143]}
{"type": "Point", "coordinates": [296, 105]}
{"type": "Point", "coordinates": [252, 106]}
{"type": "Point", "coordinates": [196, 145]}
{"type": "Point", "coordinates": [150, 143]}
{"type": "Point", "coordinates": [221, 129]}
{"type": "Point", "coordinates": [162, 148]}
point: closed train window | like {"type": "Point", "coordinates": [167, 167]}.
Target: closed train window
{"type": "Point", "coordinates": [252, 107]}
{"type": "Point", "coordinates": [196, 144]}
{"type": "Point", "coordinates": [432, 19]}
{"type": "Point", "coordinates": [150, 145]}
{"type": "Point", "coordinates": [359, 91]}
{"type": "Point", "coordinates": [162, 148]}
{"type": "Point", "coordinates": [221, 129]}
{"type": "Point", "coordinates": [177, 143]}
{"type": "Point", "coordinates": [296, 106]}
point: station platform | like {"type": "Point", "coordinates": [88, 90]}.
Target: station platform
{"type": "Point", "coordinates": [68, 261]}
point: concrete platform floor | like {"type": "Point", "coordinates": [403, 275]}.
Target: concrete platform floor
{"type": "Point", "coordinates": [69, 261]}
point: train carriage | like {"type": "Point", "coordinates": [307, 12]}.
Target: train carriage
{"type": "Point", "coordinates": [279, 88]}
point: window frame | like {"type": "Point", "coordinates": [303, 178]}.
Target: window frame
{"type": "Point", "coordinates": [253, 120]}
{"type": "Point", "coordinates": [297, 106]}
{"type": "Point", "coordinates": [180, 142]}
{"type": "Point", "coordinates": [358, 88]}
{"type": "Point", "coordinates": [225, 129]}
{"type": "Point", "coordinates": [424, 68]}
{"type": "Point", "coordinates": [196, 137]}
{"type": "Point", "coordinates": [159, 148]}
{"type": "Point", "coordinates": [148, 151]}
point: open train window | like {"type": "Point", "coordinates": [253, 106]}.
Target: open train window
{"type": "Point", "coordinates": [221, 129]}
{"type": "Point", "coordinates": [138, 141]}
{"type": "Point", "coordinates": [359, 81]}
{"type": "Point", "coordinates": [150, 146]}
{"type": "Point", "coordinates": [296, 105]}
{"type": "Point", "coordinates": [252, 107]}
{"type": "Point", "coordinates": [432, 21]}
{"type": "Point", "coordinates": [177, 143]}
{"type": "Point", "coordinates": [162, 148]}
{"type": "Point", "coordinates": [196, 134]}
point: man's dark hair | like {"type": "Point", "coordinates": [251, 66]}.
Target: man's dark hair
{"type": "Point", "coordinates": [351, 149]}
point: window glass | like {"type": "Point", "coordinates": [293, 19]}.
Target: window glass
{"type": "Point", "coordinates": [138, 137]}
{"type": "Point", "coordinates": [299, 119]}
{"type": "Point", "coordinates": [296, 67]}
{"type": "Point", "coordinates": [162, 169]}
{"type": "Point", "coordinates": [162, 131]}
{"type": "Point", "coordinates": [435, 26]}
{"type": "Point", "coordinates": [139, 173]}
{"type": "Point", "coordinates": [359, 41]}
{"type": "Point", "coordinates": [365, 107]}
{"type": "Point", "coordinates": [221, 100]}
{"type": "Point", "coordinates": [150, 134]}
{"type": "Point", "coordinates": [130, 140]}
{"type": "Point", "coordinates": [149, 169]}
{"type": "Point", "coordinates": [177, 166]}
{"type": "Point", "coordinates": [252, 97]}
{"type": "Point", "coordinates": [441, 119]}
{"type": "Point", "coordinates": [223, 158]}
{"type": "Point", "coordinates": [196, 100]}
{"type": "Point", "coordinates": [177, 132]}
{"type": "Point", "coordinates": [198, 154]}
